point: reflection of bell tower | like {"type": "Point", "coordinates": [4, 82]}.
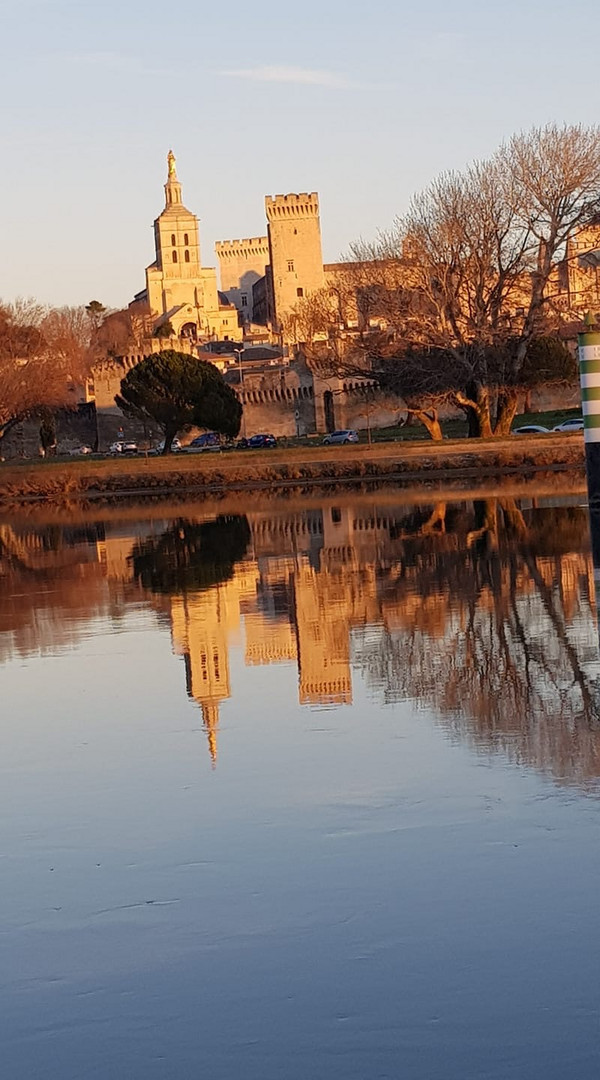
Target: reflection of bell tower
{"type": "Point", "coordinates": [210, 723]}
{"type": "Point", "coordinates": [201, 623]}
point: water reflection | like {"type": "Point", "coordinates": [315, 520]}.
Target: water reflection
{"type": "Point", "coordinates": [481, 611]}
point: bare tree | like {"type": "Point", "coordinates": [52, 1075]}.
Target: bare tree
{"type": "Point", "coordinates": [456, 292]}
{"type": "Point", "coordinates": [44, 358]}
{"type": "Point", "coordinates": [483, 246]}
{"type": "Point", "coordinates": [120, 332]}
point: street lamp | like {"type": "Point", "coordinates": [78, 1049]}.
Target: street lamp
{"type": "Point", "coordinates": [238, 353]}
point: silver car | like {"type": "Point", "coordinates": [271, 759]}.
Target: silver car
{"type": "Point", "coordinates": [570, 425]}
{"type": "Point", "coordinates": [345, 436]}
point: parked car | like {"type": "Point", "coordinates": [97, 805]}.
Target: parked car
{"type": "Point", "coordinates": [175, 447]}
{"type": "Point", "coordinates": [210, 440]}
{"type": "Point", "coordinates": [78, 450]}
{"type": "Point", "coordinates": [531, 429]}
{"type": "Point", "coordinates": [262, 442]}
{"type": "Point", "coordinates": [123, 446]}
{"type": "Point", "coordinates": [345, 436]}
{"type": "Point", "coordinates": [570, 425]}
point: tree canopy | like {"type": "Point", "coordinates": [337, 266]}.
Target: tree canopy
{"type": "Point", "coordinates": [45, 356]}
{"type": "Point", "coordinates": [176, 390]}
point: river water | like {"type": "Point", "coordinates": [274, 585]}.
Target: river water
{"type": "Point", "coordinates": [300, 790]}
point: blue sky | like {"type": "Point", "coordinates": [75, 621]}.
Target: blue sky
{"type": "Point", "coordinates": [362, 102]}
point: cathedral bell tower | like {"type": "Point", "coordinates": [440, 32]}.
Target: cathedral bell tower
{"type": "Point", "coordinates": [176, 231]}
{"type": "Point", "coordinates": [179, 291]}
{"type": "Point", "coordinates": [172, 186]}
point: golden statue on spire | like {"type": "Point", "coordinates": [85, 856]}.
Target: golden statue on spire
{"type": "Point", "coordinates": [171, 165]}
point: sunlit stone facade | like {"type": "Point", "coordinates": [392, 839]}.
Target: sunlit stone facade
{"type": "Point", "coordinates": [179, 290]}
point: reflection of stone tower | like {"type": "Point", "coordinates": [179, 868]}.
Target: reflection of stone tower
{"type": "Point", "coordinates": [323, 628]}
{"type": "Point", "coordinates": [295, 253]}
{"type": "Point", "coordinates": [203, 624]}
{"type": "Point", "coordinates": [210, 723]}
{"type": "Point", "coordinates": [200, 632]}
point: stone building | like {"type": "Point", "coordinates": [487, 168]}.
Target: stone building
{"type": "Point", "coordinates": [242, 264]}
{"type": "Point", "coordinates": [262, 279]}
{"type": "Point", "coordinates": [578, 275]}
{"type": "Point", "coordinates": [179, 290]}
{"type": "Point", "coordinates": [295, 255]}
{"type": "Point", "coordinates": [282, 267]}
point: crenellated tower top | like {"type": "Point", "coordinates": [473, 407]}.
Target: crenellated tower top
{"type": "Point", "coordinates": [304, 205]}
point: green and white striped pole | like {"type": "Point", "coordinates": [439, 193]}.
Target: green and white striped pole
{"type": "Point", "coordinates": [589, 375]}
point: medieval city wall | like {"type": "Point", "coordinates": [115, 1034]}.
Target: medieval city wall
{"type": "Point", "coordinates": [280, 401]}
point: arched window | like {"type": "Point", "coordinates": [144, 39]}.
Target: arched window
{"type": "Point", "coordinates": [174, 256]}
{"type": "Point", "coordinates": [187, 256]}
{"type": "Point", "coordinates": [173, 239]}
{"type": "Point", "coordinates": [185, 239]}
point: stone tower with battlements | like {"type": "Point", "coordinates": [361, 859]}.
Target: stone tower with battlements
{"type": "Point", "coordinates": [295, 255]}
{"type": "Point", "coordinates": [242, 263]}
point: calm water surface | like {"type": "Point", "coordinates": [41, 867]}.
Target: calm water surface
{"type": "Point", "coordinates": [308, 792]}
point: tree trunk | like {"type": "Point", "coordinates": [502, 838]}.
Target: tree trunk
{"type": "Point", "coordinates": [483, 413]}
{"type": "Point", "coordinates": [7, 426]}
{"type": "Point", "coordinates": [508, 402]}
{"type": "Point", "coordinates": [436, 522]}
{"type": "Point", "coordinates": [514, 518]}
{"type": "Point", "coordinates": [477, 406]}
{"type": "Point", "coordinates": [169, 436]}
{"type": "Point", "coordinates": [486, 525]}
{"type": "Point", "coordinates": [430, 420]}
{"type": "Point", "coordinates": [472, 422]}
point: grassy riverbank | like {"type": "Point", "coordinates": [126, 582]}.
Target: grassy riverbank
{"type": "Point", "coordinates": [285, 468]}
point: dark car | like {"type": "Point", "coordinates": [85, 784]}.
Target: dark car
{"type": "Point", "coordinates": [210, 440]}
{"type": "Point", "coordinates": [262, 442]}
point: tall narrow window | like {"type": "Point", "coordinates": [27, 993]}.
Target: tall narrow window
{"type": "Point", "coordinates": [290, 265]}
{"type": "Point", "coordinates": [185, 239]}
{"type": "Point", "coordinates": [173, 239]}
{"type": "Point", "coordinates": [299, 291]}
{"type": "Point", "coordinates": [244, 300]}
{"type": "Point", "coordinates": [187, 256]}
{"type": "Point", "coordinates": [174, 256]}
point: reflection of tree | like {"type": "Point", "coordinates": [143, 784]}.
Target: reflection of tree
{"type": "Point", "coordinates": [191, 556]}
{"type": "Point", "coordinates": [50, 584]}
{"type": "Point", "coordinates": [486, 619]}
